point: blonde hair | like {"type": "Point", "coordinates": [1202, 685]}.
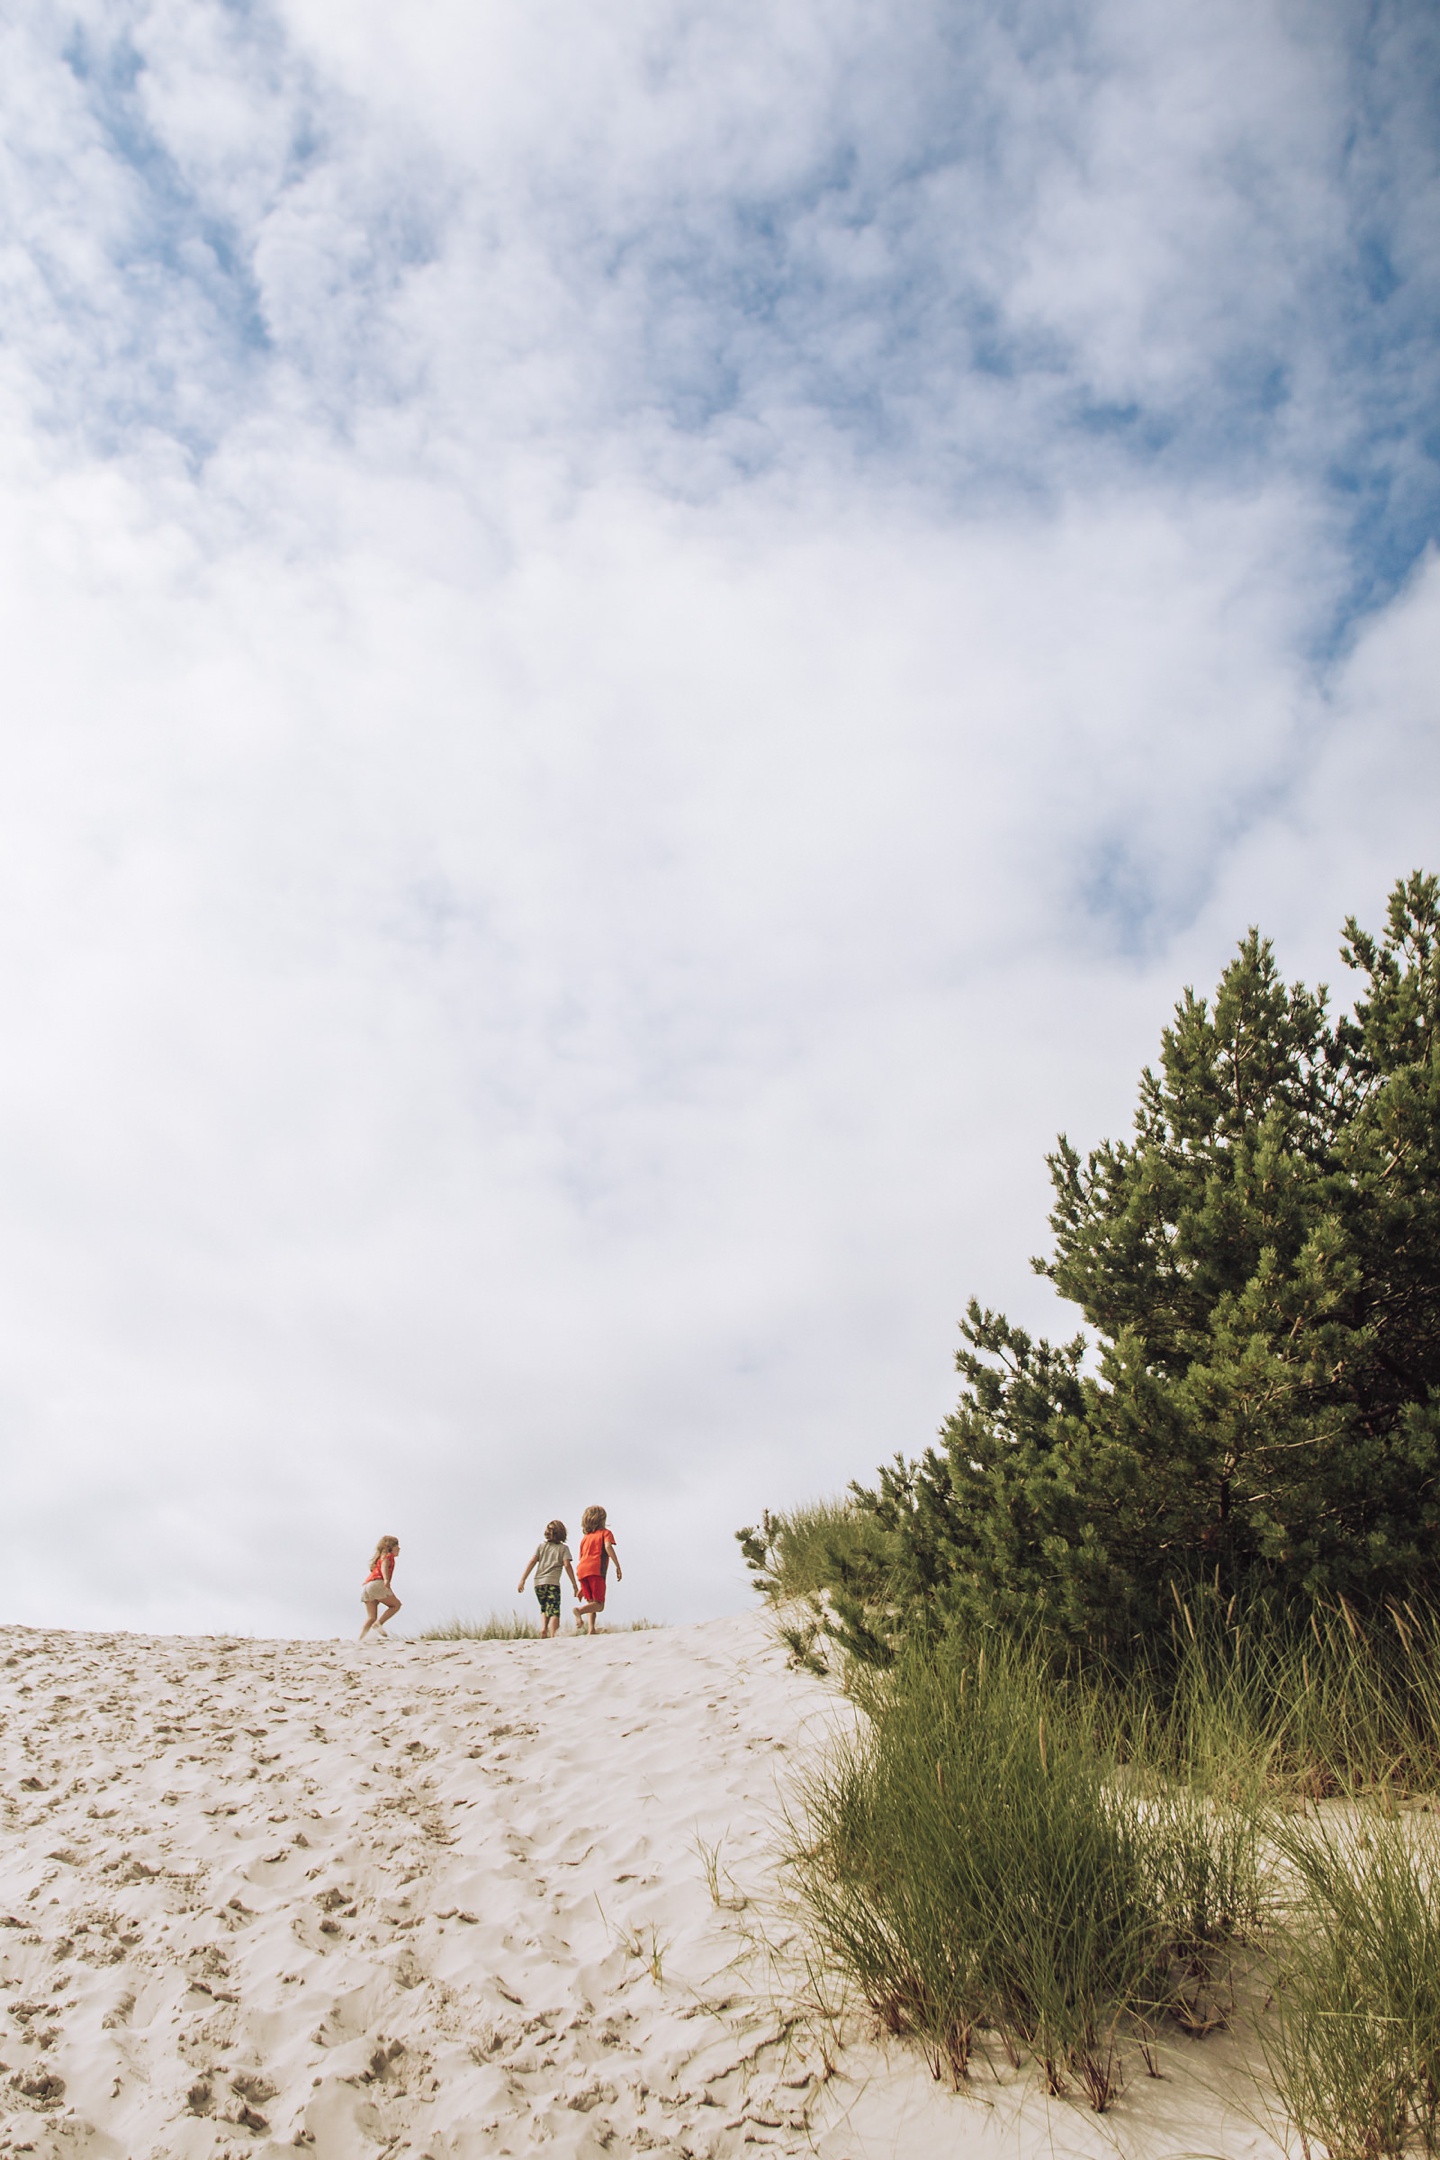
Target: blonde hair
{"type": "Point", "coordinates": [555, 1532]}
{"type": "Point", "coordinates": [384, 1545]}
{"type": "Point", "coordinates": [592, 1519]}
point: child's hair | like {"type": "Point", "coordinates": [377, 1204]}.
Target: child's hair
{"type": "Point", "coordinates": [592, 1519]}
{"type": "Point", "coordinates": [384, 1545]}
{"type": "Point", "coordinates": [555, 1532]}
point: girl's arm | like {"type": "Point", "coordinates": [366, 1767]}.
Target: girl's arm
{"type": "Point", "coordinates": [526, 1576]}
{"type": "Point", "coordinates": [615, 1563]}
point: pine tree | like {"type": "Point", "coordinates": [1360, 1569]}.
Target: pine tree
{"type": "Point", "coordinates": [1255, 1395]}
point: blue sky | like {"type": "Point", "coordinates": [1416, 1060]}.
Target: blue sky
{"type": "Point", "coordinates": [643, 643]}
{"type": "Point", "coordinates": [982, 253]}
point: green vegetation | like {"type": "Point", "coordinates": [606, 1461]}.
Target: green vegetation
{"type": "Point", "coordinates": [1147, 1648]}
{"type": "Point", "coordinates": [974, 1863]}
{"type": "Point", "coordinates": [1353, 2043]}
{"type": "Point", "coordinates": [1254, 1397]}
{"type": "Point", "coordinates": [795, 1557]}
{"type": "Point", "coordinates": [798, 1553]}
{"type": "Point", "coordinates": [1283, 1704]}
{"type": "Point", "coordinates": [499, 1627]}
{"type": "Point", "coordinates": [503, 1627]}
{"type": "Point", "coordinates": [1067, 1864]}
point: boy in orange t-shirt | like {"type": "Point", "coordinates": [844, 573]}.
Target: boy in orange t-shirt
{"type": "Point", "coordinates": [597, 1550]}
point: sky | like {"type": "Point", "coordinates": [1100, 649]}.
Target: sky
{"type": "Point", "coordinates": [641, 645]}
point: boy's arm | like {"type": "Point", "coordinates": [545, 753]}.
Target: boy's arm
{"type": "Point", "coordinates": [526, 1576]}
{"type": "Point", "coordinates": [571, 1573]}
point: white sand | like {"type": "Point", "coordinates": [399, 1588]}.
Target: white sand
{"type": "Point", "coordinates": [447, 1900]}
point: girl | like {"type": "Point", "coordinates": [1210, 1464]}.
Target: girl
{"type": "Point", "coordinates": [550, 1560]}
{"type": "Point", "coordinates": [597, 1556]}
{"type": "Point", "coordinates": [379, 1587]}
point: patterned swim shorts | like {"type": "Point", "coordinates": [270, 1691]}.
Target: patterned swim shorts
{"type": "Point", "coordinates": [549, 1596]}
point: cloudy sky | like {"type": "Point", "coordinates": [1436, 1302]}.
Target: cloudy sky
{"type": "Point", "coordinates": [641, 644]}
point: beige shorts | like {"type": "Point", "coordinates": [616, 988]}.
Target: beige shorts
{"type": "Point", "coordinates": [375, 1590]}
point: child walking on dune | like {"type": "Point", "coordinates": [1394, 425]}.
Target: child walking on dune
{"type": "Point", "coordinates": [550, 1560]}
{"type": "Point", "coordinates": [597, 1550]}
{"type": "Point", "coordinates": [379, 1588]}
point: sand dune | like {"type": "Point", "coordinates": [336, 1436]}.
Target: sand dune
{"type": "Point", "coordinates": [440, 1899]}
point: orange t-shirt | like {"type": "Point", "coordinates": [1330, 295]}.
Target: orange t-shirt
{"type": "Point", "coordinates": [595, 1554]}
{"type": "Point", "coordinates": [382, 1567]}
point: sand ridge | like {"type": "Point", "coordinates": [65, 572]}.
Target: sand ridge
{"type": "Point", "coordinates": [430, 1897]}
{"type": "Point", "coordinates": [446, 1900]}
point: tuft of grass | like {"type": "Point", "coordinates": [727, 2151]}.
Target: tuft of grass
{"type": "Point", "coordinates": [724, 1895]}
{"type": "Point", "coordinates": [975, 1864]}
{"type": "Point", "coordinates": [647, 1946]}
{"type": "Point", "coordinates": [504, 1627]}
{"type": "Point", "coordinates": [499, 1627]}
{"type": "Point", "coordinates": [1353, 2043]}
{"type": "Point", "coordinates": [798, 1556]}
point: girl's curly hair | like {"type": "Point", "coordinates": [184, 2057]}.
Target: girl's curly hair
{"type": "Point", "coordinates": [592, 1519]}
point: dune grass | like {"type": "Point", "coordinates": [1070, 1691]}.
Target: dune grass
{"type": "Point", "coordinates": [1353, 2041]}
{"type": "Point", "coordinates": [799, 1552]}
{"type": "Point", "coordinates": [797, 1555]}
{"type": "Point", "coordinates": [976, 1865]}
{"type": "Point", "coordinates": [498, 1627]}
{"type": "Point", "coordinates": [510, 1627]}
{"type": "Point", "coordinates": [1249, 1693]}
{"type": "Point", "coordinates": [1313, 1705]}
{"type": "Point", "coordinates": [1017, 1852]}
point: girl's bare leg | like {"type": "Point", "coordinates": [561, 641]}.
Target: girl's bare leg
{"type": "Point", "coordinates": [392, 1606]}
{"type": "Point", "coordinates": [369, 1618]}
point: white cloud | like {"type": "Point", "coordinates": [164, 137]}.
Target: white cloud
{"type": "Point", "coordinates": [586, 781]}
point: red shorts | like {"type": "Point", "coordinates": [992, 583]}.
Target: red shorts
{"type": "Point", "coordinates": [592, 1589]}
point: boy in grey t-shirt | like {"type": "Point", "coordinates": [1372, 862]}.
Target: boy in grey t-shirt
{"type": "Point", "coordinates": [550, 1560]}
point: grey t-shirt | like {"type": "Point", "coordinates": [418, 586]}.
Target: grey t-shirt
{"type": "Point", "coordinates": [550, 1563]}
